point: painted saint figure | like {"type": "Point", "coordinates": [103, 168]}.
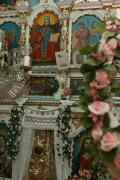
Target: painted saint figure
{"type": "Point", "coordinates": [45, 41]}
{"type": "Point", "coordinates": [83, 158]}
{"type": "Point", "coordinates": [45, 31]}
{"type": "Point", "coordinates": [82, 35]}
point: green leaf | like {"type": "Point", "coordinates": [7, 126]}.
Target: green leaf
{"type": "Point", "coordinates": [88, 49]}
{"type": "Point", "coordinates": [110, 67]}
{"type": "Point", "coordinates": [86, 68]}
{"type": "Point", "coordinates": [91, 61]}
{"type": "Point", "coordinates": [106, 120]}
{"type": "Point", "coordinates": [118, 42]}
{"type": "Point", "coordinates": [100, 28]}
{"type": "Point", "coordinates": [88, 76]}
{"type": "Point", "coordinates": [108, 34]}
{"type": "Point", "coordinates": [115, 84]}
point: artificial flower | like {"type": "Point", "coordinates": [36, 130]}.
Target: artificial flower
{"type": "Point", "coordinates": [117, 160]}
{"type": "Point", "coordinates": [97, 132]}
{"type": "Point", "coordinates": [102, 77]}
{"type": "Point", "coordinates": [109, 22]}
{"type": "Point", "coordinates": [95, 98]}
{"type": "Point", "coordinates": [109, 141]}
{"type": "Point", "coordinates": [92, 92]}
{"type": "Point", "coordinates": [108, 48]}
{"type": "Point", "coordinates": [99, 56]}
{"type": "Point", "coordinates": [93, 117]}
{"type": "Point", "coordinates": [117, 22]}
{"type": "Point", "coordinates": [99, 107]}
{"type": "Point", "coordinates": [94, 84]}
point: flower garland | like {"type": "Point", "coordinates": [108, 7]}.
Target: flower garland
{"type": "Point", "coordinates": [99, 71]}
{"type": "Point", "coordinates": [14, 131]}
{"type": "Point", "coordinates": [64, 128]}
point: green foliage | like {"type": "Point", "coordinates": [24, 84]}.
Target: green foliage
{"type": "Point", "coordinates": [108, 34]}
{"type": "Point", "coordinates": [100, 28]}
{"type": "Point", "coordinates": [91, 61]}
{"type": "Point", "coordinates": [115, 84]}
{"type": "Point", "coordinates": [102, 87]}
{"type": "Point", "coordinates": [96, 154]}
{"type": "Point", "coordinates": [106, 121]}
{"type": "Point", "coordinates": [87, 68]}
{"type": "Point", "coordinates": [109, 155]}
{"type": "Point", "coordinates": [86, 121]}
{"type": "Point", "coordinates": [110, 67]}
{"type": "Point", "coordinates": [105, 93]}
{"type": "Point", "coordinates": [88, 49]}
{"type": "Point", "coordinates": [63, 122]}
{"type": "Point", "coordinates": [88, 76]}
{"type": "Point", "coordinates": [14, 131]}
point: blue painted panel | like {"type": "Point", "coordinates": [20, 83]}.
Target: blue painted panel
{"type": "Point", "coordinates": [12, 34]}
{"type": "Point", "coordinates": [33, 2]}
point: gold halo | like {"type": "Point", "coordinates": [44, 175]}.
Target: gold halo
{"type": "Point", "coordinates": [40, 19]}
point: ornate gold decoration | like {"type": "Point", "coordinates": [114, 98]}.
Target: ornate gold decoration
{"type": "Point", "coordinates": [42, 164]}
{"type": "Point", "coordinates": [76, 123]}
{"type": "Point", "coordinates": [64, 34]}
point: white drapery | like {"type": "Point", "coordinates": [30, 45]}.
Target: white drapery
{"type": "Point", "coordinates": [25, 153]}
{"type": "Point", "coordinates": [21, 165]}
{"type": "Point", "coordinates": [44, 120]}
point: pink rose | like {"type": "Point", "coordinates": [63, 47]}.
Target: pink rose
{"type": "Point", "coordinates": [117, 22]}
{"type": "Point", "coordinates": [102, 77]}
{"type": "Point", "coordinates": [117, 161]}
{"type": "Point", "coordinates": [99, 107]}
{"type": "Point", "coordinates": [108, 48]}
{"type": "Point", "coordinates": [99, 56]}
{"type": "Point", "coordinates": [94, 84]}
{"type": "Point", "coordinates": [93, 117]}
{"type": "Point", "coordinates": [114, 27]}
{"type": "Point", "coordinates": [97, 132]}
{"type": "Point", "coordinates": [92, 92]}
{"type": "Point", "coordinates": [95, 98]}
{"type": "Point", "coordinates": [109, 27]}
{"type": "Point", "coordinates": [109, 141]}
{"type": "Point", "coordinates": [109, 22]}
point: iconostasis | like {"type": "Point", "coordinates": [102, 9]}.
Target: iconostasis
{"type": "Point", "coordinates": [40, 59]}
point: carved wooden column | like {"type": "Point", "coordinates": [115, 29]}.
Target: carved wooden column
{"type": "Point", "coordinates": [64, 30]}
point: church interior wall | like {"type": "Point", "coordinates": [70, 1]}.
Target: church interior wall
{"type": "Point", "coordinates": [39, 58]}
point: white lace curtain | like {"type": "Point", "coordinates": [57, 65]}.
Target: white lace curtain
{"type": "Point", "coordinates": [21, 165]}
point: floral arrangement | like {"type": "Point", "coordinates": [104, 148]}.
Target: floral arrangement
{"type": "Point", "coordinates": [99, 71]}
{"type": "Point", "coordinates": [83, 175]}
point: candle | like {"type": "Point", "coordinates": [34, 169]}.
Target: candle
{"type": "Point", "coordinates": [26, 61]}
